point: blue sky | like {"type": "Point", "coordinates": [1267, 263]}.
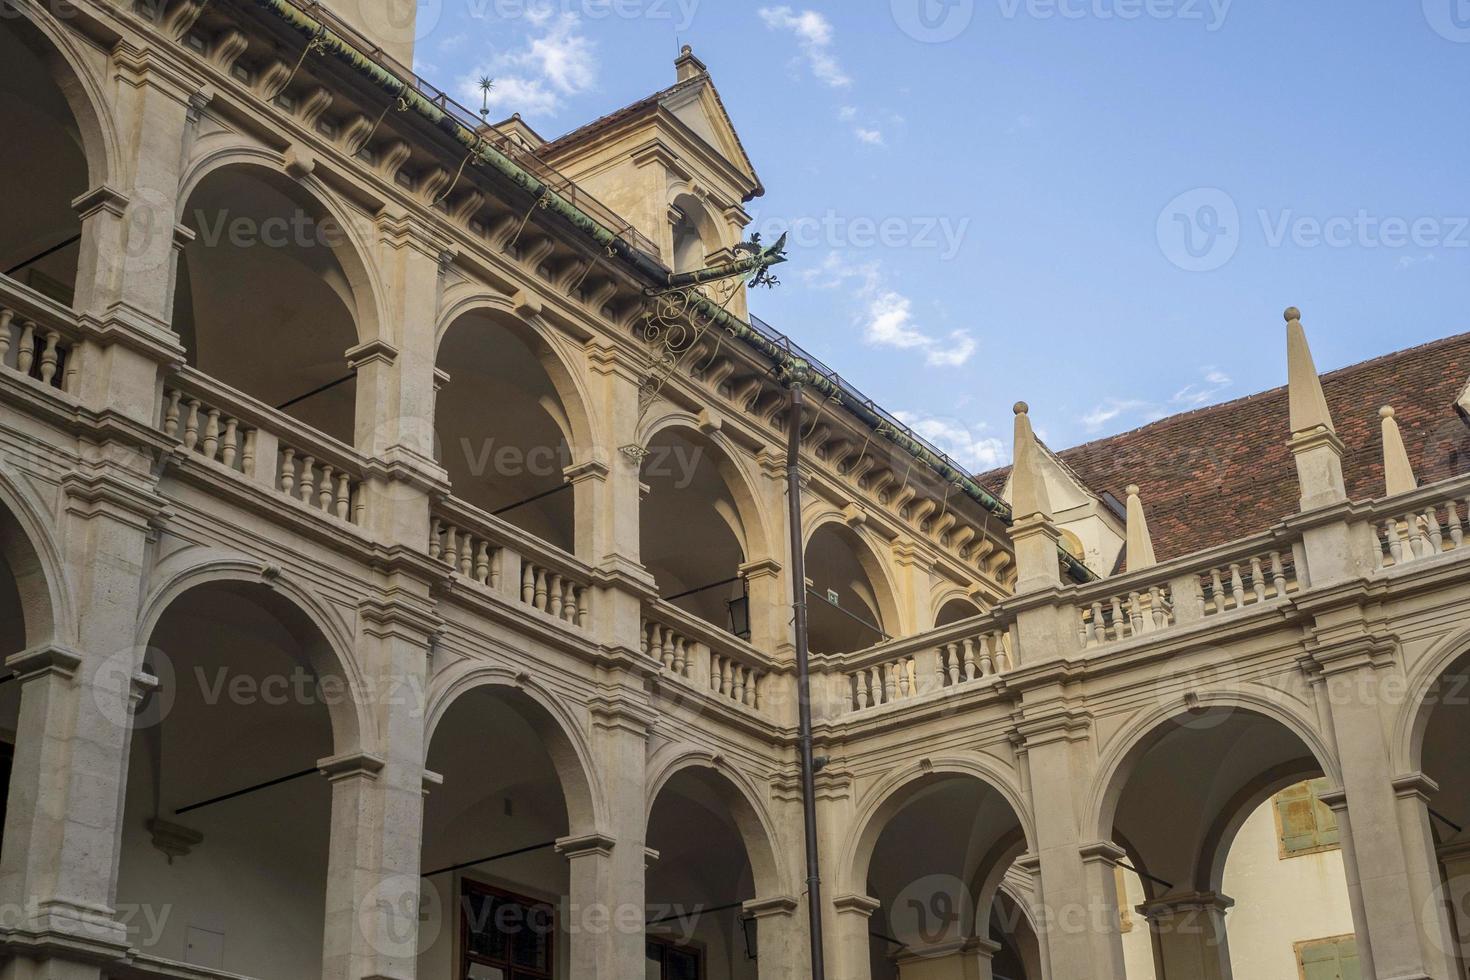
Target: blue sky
{"type": "Point", "coordinates": [1098, 206]}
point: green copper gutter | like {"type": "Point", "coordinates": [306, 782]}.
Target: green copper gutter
{"type": "Point", "coordinates": [788, 366]}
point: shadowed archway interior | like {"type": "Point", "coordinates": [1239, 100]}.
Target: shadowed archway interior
{"type": "Point", "coordinates": [502, 431]}
{"type": "Point", "coordinates": [44, 167]}
{"type": "Point", "coordinates": [263, 301]}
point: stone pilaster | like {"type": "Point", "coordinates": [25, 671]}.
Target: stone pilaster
{"type": "Point", "coordinates": [780, 938]}
{"type": "Point", "coordinates": [1189, 935]}
{"type": "Point", "coordinates": [63, 828]}
{"type": "Point", "coordinates": [1075, 875]}
{"type": "Point", "coordinates": [1403, 929]}
{"type": "Point", "coordinates": [606, 907]}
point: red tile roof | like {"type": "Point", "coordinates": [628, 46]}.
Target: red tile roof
{"type": "Point", "coordinates": [1224, 472]}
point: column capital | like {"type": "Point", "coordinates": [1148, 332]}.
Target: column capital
{"type": "Point", "coordinates": [351, 765]}
{"type": "Point", "coordinates": [48, 659]}
{"type": "Point", "coordinates": [764, 908]}
{"type": "Point", "coordinates": [1415, 784]}
{"type": "Point", "coordinates": [1161, 909]}
{"type": "Point", "coordinates": [585, 844]}
{"type": "Point", "coordinates": [863, 905]}
{"type": "Point", "coordinates": [1101, 851]}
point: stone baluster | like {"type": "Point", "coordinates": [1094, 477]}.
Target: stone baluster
{"type": "Point", "coordinates": [25, 354]}
{"type": "Point", "coordinates": [1278, 574]}
{"type": "Point", "coordinates": [1159, 607]}
{"type": "Point", "coordinates": [450, 554]}
{"type": "Point", "coordinates": [1217, 590]}
{"type": "Point", "coordinates": [229, 443]}
{"type": "Point", "coordinates": [326, 489]}
{"type": "Point", "coordinates": [1135, 613]}
{"type": "Point", "coordinates": [1258, 579]}
{"type": "Point", "coordinates": [288, 470]}
{"type": "Point", "coordinates": [542, 596]}
{"type": "Point", "coordinates": [436, 547]}
{"type": "Point", "coordinates": [972, 669]}
{"type": "Point", "coordinates": [1436, 532]}
{"type": "Point", "coordinates": [210, 444]}
{"type": "Point", "coordinates": [987, 657]}
{"type": "Point", "coordinates": [1395, 543]}
{"type": "Point", "coordinates": [50, 357]}
{"type": "Point", "coordinates": [467, 556]}
{"type": "Point", "coordinates": [306, 480]}
{"type": "Point", "coordinates": [1237, 585]}
{"type": "Point", "coordinates": [6, 318]}
{"type": "Point", "coordinates": [170, 408]}
{"type": "Point", "coordinates": [737, 692]}
{"type": "Point", "coordinates": [191, 425]}
{"type": "Point", "coordinates": [344, 497]}
{"type": "Point", "coordinates": [1457, 529]}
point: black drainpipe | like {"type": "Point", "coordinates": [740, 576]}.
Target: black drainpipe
{"type": "Point", "coordinates": [804, 682]}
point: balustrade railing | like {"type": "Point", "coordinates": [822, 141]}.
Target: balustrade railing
{"type": "Point", "coordinates": [1425, 523]}
{"type": "Point", "coordinates": [502, 558]}
{"type": "Point", "coordinates": [37, 337]}
{"type": "Point", "coordinates": [235, 431]}
{"type": "Point", "coordinates": [1186, 590]}
{"type": "Point", "coordinates": [705, 656]}
{"type": "Point", "coordinates": [971, 650]}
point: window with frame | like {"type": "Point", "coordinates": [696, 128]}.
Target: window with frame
{"type": "Point", "coordinates": [1304, 824]}
{"type": "Point", "coordinates": [504, 936]}
{"type": "Point", "coordinates": [1328, 959]}
{"type": "Point", "coordinates": [667, 961]}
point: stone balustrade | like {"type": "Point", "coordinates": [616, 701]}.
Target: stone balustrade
{"type": "Point", "coordinates": [37, 337]}
{"type": "Point", "coordinates": [1424, 524]}
{"type": "Point", "coordinates": [974, 649]}
{"type": "Point", "coordinates": [209, 431]}
{"type": "Point", "coordinates": [1187, 590]}
{"type": "Point", "coordinates": [501, 558]}
{"type": "Point", "coordinates": [233, 430]}
{"type": "Point", "coordinates": [705, 656]}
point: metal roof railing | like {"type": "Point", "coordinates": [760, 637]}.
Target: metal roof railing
{"type": "Point", "coordinates": [794, 349]}
{"type": "Point", "coordinates": [502, 141]}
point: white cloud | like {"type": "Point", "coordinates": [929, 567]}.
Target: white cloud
{"type": "Point", "coordinates": [872, 137]}
{"type": "Point", "coordinates": [963, 442]}
{"type": "Point", "coordinates": [1108, 410]}
{"type": "Point", "coordinates": [1211, 383]}
{"type": "Point", "coordinates": [847, 113]}
{"type": "Point", "coordinates": [890, 322]}
{"type": "Point", "coordinates": [557, 63]}
{"type": "Point", "coordinates": [887, 319]}
{"type": "Point", "coordinates": [954, 352]}
{"type": "Point", "coordinates": [813, 33]}
{"type": "Point", "coordinates": [1196, 393]}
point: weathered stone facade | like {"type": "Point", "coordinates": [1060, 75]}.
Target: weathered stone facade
{"type": "Point", "coordinates": [341, 466]}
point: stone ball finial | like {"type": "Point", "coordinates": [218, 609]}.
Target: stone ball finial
{"type": "Point", "coordinates": [1292, 313]}
{"type": "Point", "coordinates": [1021, 408]}
{"type": "Point", "coordinates": [1132, 490]}
{"type": "Point", "coordinates": [1386, 412]}
{"type": "Point", "coordinates": [687, 50]}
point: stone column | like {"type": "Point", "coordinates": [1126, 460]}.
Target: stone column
{"type": "Point", "coordinates": [1403, 929]}
{"type": "Point", "coordinates": [1189, 935]}
{"type": "Point", "coordinates": [606, 908]}
{"type": "Point", "coordinates": [373, 884]}
{"type": "Point", "coordinates": [968, 959]}
{"type": "Point", "coordinates": [63, 827]}
{"type": "Point", "coordinates": [849, 945]}
{"type": "Point", "coordinates": [397, 383]}
{"type": "Point", "coordinates": [770, 607]}
{"type": "Point", "coordinates": [781, 944]}
{"type": "Point", "coordinates": [1076, 877]}
{"type": "Point", "coordinates": [1454, 863]}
